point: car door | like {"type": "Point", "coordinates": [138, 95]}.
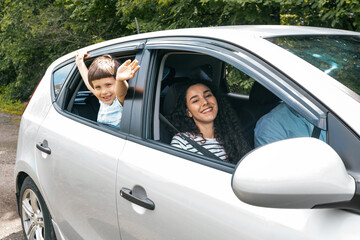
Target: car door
{"type": "Point", "coordinates": [164, 193]}
{"type": "Point", "coordinates": [78, 177]}
{"type": "Point", "coordinates": [78, 172]}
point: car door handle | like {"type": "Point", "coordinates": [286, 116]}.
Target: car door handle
{"type": "Point", "coordinates": [44, 147]}
{"type": "Point", "coordinates": [145, 203]}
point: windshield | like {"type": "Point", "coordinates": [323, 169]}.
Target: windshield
{"type": "Point", "coordinates": [338, 56]}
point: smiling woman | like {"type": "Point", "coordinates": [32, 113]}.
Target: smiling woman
{"type": "Point", "coordinates": [202, 107]}
{"type": "Point", "coordinates": [208, 120]}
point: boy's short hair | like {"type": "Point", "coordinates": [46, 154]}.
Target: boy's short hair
{"type": "Point", "coordinates": [102, 67]}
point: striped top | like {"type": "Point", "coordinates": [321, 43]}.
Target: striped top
{"type": "Point", "coordinates": [110, 114]}
{"type": "Point", "coordinates": [210, 144]}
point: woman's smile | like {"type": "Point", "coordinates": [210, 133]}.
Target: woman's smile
{"type": "Point", "coordinates": [207, 110]}
{"type": "Point", "coordinates": [201, 104]}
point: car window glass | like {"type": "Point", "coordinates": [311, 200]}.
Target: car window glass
{"type": "Point", "coordinates": [338, 56]}
{"type": "Point", "coordinates": [237, 81]}
{"type": "Point", "coordinates": [60, 76]}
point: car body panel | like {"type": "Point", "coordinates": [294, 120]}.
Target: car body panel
{"type": "Point", "coordinates": [79, 183]}
{"type": "Point", "coordinates": [195, 202]}
{"type": "Point", "coordinates": [29, 125]}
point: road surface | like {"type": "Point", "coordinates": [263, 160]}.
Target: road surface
{"type": "Point", "coordinates": [10, 225]}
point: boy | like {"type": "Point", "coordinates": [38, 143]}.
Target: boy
{"type": "Point", "coordinates": [107, 81]}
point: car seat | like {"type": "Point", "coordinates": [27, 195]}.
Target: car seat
{"type": "Point", "coordinates": [173, 90]}
{"type": "Point", "coordinates": [86, 105]}
{"type": "Point", "coordinates": [261, 101]}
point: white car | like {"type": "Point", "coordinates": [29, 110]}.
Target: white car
{"type": "Point", "coordinates": [79, 179]}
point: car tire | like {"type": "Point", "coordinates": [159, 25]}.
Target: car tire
{"type": "Point", "coordinates": [35, 216]}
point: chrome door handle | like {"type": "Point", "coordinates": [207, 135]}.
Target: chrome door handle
{"type": "Point", "coordinates": [44, 147]}
{"type": "Point", "coordinates": [145, 203]}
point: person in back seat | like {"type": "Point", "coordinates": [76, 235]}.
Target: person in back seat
{"type": "Point", "coordinates": [282, 123]}
{"type": "Point", "coordinates": [106, 79]}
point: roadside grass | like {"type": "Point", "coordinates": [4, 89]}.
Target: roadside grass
{"type": "Point", "coordinates": [10, 106]}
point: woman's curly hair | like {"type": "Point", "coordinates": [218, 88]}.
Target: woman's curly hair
{"type": "Point", "coordinates": [227, 125]}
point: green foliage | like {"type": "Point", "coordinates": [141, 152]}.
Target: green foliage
{"type": "Point", "coordinates": [33, 33]}
{"type": "Point", "coordinates": [171, 14]}
{"type": "Point", "coordinates": [10, 106]}
{"type": "Point", "coordinates": [238, 81]}
{"type": "Point", "coordinates": [343, 14]}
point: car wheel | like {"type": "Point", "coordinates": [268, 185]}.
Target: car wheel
{"type": "Point", "coordinates": [35, 217]}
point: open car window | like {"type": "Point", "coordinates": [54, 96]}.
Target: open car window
{"type": "Point", "coordinates": [247, 96]}
{"type": "Point", "coordinates": [80, 102]}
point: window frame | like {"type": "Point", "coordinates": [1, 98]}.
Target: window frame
{"type": "Point", "coordinates": [69, 72]}
{"type": "Point", "coordinates": [73, 83]}
{"type": "Point", "coordinates": [141, 128]}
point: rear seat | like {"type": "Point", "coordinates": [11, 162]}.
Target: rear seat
{"type": "Point", "coordinates": [86, 105]}
{"type": "Point", "coordinates": [261, 101]}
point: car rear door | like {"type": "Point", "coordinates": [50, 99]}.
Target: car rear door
{"type": "Point", "coordinates": [78, 173]}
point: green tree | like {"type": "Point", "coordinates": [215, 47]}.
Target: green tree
{"type": "Point", "coordinates": [33, 33]}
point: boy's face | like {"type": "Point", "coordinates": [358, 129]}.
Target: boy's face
{"type": "Point", "coordinates": [105, 89]}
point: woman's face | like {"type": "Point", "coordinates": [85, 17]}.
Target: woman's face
{"type": "Point", "coordinates": [201, 104]}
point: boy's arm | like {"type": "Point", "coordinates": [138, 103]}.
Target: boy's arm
{"type": "Point", "coordinates": [83, 69]}
{"type": "Point", "coordinates": [121, 90]}
{"type": "Point", "coordinates": [126, 71]}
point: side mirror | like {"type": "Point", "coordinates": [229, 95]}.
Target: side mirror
{"type": "Point", "coordinates": [293, 173]}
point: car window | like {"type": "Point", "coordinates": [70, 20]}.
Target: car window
{"type": "Point", "coordinates": [84, 105]}
{"type": "Point", "coordinates": [338, 56]}
{"type": "Point", "coordinates": [60, 76]}
{"type": "Point", "coordinates": [179, 66]}
{"type": "Point", "coordinates": [237, 81]}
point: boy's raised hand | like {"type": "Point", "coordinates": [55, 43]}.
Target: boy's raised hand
{"type": "Point", "coordinates": [127, 70]}
{"type": "Point", "coordinates": [80, 56]}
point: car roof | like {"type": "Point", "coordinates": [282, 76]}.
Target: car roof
{"type": "Point", "coordinates": [231, 33]}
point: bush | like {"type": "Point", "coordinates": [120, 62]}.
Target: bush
{"type": "Point", "coordinates": [10, 106]}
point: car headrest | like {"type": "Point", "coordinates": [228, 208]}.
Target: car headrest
{"type": "Point", "coordinates": [168, 76]}
{"type": "Point", "coordinates": [172, 94]}
{"type": "Point", "coordinates": [260, 95]}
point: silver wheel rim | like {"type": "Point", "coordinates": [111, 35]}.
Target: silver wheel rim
{"type": "Point", "coordinates": [32, 216]}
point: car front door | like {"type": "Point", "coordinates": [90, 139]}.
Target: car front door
{"type": "Point", "coordinates": [165, 193]}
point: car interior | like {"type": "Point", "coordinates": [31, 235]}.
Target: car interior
{"type": "Point", "coordinates": [175, 67]}
{"type": "Point", "coordinates": [179, 66]}
{"type": "Point", "coordinates": [83, 102]}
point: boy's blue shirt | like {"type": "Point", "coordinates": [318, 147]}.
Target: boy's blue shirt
{"type": "Point", "coordinates": [110, 114]}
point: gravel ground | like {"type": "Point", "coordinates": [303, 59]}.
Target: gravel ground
{"type": "Point", "coordinates": [10, 225]}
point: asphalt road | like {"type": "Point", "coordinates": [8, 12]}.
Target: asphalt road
{"type": "Point", "coordinates": [10, 225]}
